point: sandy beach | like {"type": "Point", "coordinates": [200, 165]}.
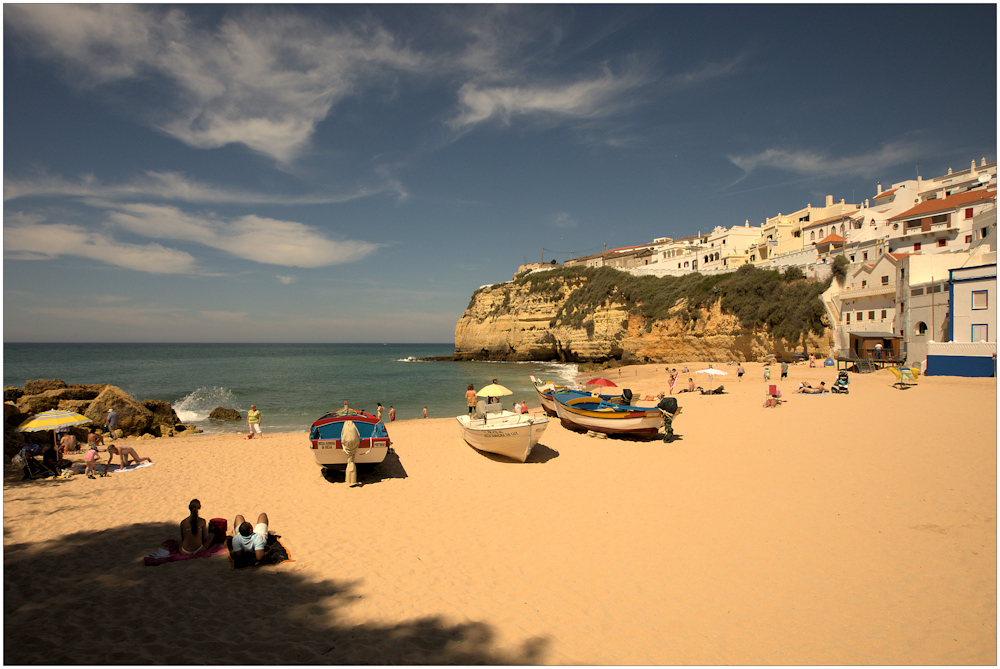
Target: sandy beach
{"type": "Point", "coordinates": [835, 529]}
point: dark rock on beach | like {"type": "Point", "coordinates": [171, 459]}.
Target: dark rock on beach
{"type": "Point", "coordinates": [220, 413]}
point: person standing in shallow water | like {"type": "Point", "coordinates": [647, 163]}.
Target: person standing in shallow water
{"type": "Point", "coordinates": [392, 413]}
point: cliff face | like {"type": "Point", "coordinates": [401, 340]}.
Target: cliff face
{"type": "Point", "coordinates": [508, 322]}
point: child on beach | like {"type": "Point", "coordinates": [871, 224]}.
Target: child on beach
{"type": "Point", "coordinates": [91, 458]}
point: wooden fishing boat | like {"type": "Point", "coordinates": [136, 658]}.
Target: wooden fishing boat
{"type": "Point", "coordinates": [503, 432]}
{"type": "Point", "coordinates": [324, 437]}
{"type": "Point", "coordinates": [545, 393]}
{"type": "Point", "coordinates": [594, 414]}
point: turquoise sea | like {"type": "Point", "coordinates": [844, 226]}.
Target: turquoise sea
{"type": "Point", "coordinates": [291, 384]}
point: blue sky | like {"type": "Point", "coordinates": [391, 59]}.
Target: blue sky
{"type": "Point", "coordinates": [352, 173]}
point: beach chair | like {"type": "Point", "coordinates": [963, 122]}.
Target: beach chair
{"type": "Point", "coordinates": [905, 377]}
{"type": "Point", "coordinates": [773, 397]}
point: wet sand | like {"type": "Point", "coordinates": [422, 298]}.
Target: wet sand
{"type": "Point", "coordinates": [835, 529]}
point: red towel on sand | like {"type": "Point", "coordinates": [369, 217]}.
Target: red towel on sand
{"type": "Point", "coordinates": [176, 555]}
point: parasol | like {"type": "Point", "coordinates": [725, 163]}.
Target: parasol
{"type": "Point", "coordinates": [601, 381]}
{"type": "Point", "coordinates": [494, 390]}
{"type": "Point", "coordinates": [52, 419]}
{"type": "Point", "coordinates": [711, 371]}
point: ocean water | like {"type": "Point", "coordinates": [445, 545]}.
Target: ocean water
{"type": "Point", "coordinates": [291, 384]}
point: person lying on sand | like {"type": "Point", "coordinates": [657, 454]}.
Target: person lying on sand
{"type": "Point", "coordinates": [249, 537]}
{"type": "Point", "coordinates": [195, 536]}
{"type": "Point", "coordinates": [806, 389]}
{"type": "Point", "coordinates": [126, 453]}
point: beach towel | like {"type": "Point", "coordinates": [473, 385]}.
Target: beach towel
{"type": "Point", "coordinates": [170, 552]}
{"type": "Point", "coordinates": [113, 469]}
{"type": "Point", "coordinates": [276, 555]}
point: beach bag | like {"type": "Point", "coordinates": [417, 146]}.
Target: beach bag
{"type": "Point", "coordinates": [220, 528]}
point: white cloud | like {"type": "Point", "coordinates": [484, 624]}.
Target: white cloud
{"type": "Point", "coordinates": [263, 240]}
{"type": "Point", "coordinates": [595, 97]}
{"type": "Point", "coordinates": [563, 220]}
{"type": "Point", "coordinates": [263, 79]}
{"type": "Point", "coordinates": [814, 163]}
{"type": "Point", "coordinates": [287, 280]}
{"type": "Point", "coordinates": [48, 241]}
{"type": "Point", "coordinates": [175, 186]}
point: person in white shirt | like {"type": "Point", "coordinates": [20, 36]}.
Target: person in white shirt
{"type": "Point", "coordinates": [247, 537]}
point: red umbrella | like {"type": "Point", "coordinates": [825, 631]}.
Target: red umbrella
{"type": "Point", "coordinates": [601, 381]}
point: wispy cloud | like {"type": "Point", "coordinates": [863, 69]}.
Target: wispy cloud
{"type": "Point", "coordinates": [287, 280]}
{"type": "Point", "coordinates": [562, 220]}
{"type": "Point", "coordinates": [256, 238]}
{"type": "Point", "coordinates": [41, 241]}
{"type": "Point", "coordinates": [175, 186]}
{"type": "Point", "coordinates": [815, 163]}
{"type": "Point", "coordinates": [260, 78]}
{"type": "Point", "coordinates": [587, 98]}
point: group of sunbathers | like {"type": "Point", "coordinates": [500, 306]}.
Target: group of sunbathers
{"type": "Point", "coordinates": [807, 389]}
{"type": "Point", "coordinates": [196, 537]}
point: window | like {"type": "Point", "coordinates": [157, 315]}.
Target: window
{"type": "Point", "coordinates": [848, 314]}
{"type": "Point", "coordinates": [852, 258]}
{"type": "Point", "coordinates": [861, 316]}
{"type": "Point", "coordinates": [921, 328]}
{"type": "Point", "coordinates": [883, 314]}
{"type": "Point", "coordinates": [916, 291]}
{"type": "Point", "coordinates": [968, 239]}
{"type": "Point", "coordinates": [980, 299]}
{"type": "Point", "coordinates": [942, 242]}
{"type": "Point", "coordinates": [864, 284]}
{"type": "Point", "coordinates": [885, 280]}
{"type": "Point", "coordinates": [968, 212]}
{"type": "Point", "coordinates": [942, 218]}
{"type": "Point", "coordinates": [871, 315]}
{"type": "Point", "coordinates": [916, 246]}
{"type": "Point", "coordinates": [980, 332]}
{"type": "Point", "coordinates": [983, 232]}
{"type": "Point", "coordinates": [864, 255]}
{"type": "Point", "coordinates": [812, 236]}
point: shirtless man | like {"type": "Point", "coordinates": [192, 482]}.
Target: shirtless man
{"type": "Point", "coordinates": [126, 453]}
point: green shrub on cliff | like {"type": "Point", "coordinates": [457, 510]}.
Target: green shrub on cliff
{"type": "Point", "coordinates": [789, 305]}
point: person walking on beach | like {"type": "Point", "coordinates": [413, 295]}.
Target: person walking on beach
{"type": "Point", "coordinates": [381, 410]}
{"type": "Point", "coordinates": [392, 413]}
{"type": "Point", "coordinates": [253, 422]}
{"type": "Point", "coordinates": [111, 423]}
{"type": "Point", "coordinates": [767, 373]}
{"type": "Point", "coordinates": [740, 372]}
{"type": "Point", "coordinates": [784, 369]}
{"type": "Point", "coordinates": [470, 399]}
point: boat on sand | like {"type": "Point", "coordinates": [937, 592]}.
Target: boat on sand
{"type": "Point", "coordinates": [502, 432]}
{"type": "Point", "coordinates": [593, 414]}
{"type": "Point", "coordinates": [324, 437]}
{"type": "Point", "coordinates": [545, 393]}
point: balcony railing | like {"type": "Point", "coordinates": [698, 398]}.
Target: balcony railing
{"type": "Point", "coordinates": [887, 356]}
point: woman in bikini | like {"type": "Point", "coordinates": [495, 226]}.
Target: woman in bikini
{"type": "Point", "coordinates": [195, 536]}
{"type": "Point", "coordinates": [126, 453]}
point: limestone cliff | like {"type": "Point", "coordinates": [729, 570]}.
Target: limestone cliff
{"type": "Point", "coordinates": [510, 322]}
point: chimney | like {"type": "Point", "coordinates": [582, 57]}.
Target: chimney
{"type": "Point", "coordinates": [949, 170]}
{"type": "Point", "coordinates": [829, 200]}
{"type": "Point", "coordinates": [973, 168]}
{"type": "Point", "coordinates": [879, 189]}
{"type": "Point", "coordinates": [983, 164]}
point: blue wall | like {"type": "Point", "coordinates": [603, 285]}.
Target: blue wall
{"type": "Point", "coordinates": [960, 365]}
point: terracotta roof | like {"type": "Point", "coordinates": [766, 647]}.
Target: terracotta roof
{"type": "Point", "coordinates": [946, 204]}
{"type": "Point", "coordinates": [897, 256]}
{"type": "Point", "coordinates": [831, 238]}
{"type": "Point", "coordinates": [885, 192]}
{"type": "Point", "coordinates": [838, 217]}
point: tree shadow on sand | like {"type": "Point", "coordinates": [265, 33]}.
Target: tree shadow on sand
{"type": "Point", "coordinates": [87, 598]}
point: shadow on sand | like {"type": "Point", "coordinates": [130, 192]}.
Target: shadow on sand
{"type": "Point", "coordinates": [89, 599]}
{"type": "Point", "coordinates": [390, 468]}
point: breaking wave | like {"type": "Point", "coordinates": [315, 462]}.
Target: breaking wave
{"type": "Point", "coordinates": [196, 406]}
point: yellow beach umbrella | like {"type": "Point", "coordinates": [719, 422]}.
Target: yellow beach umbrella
{"type": "Point", "coordinates": [52, 420]}
{"type": "Point", "coordinates": [494, 390]}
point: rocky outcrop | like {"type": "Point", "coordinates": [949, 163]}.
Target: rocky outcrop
{"type": "Point", "coordinates": [509, 322]}
{"type": "Point", "coordinates": [154, 417]}
{"type": "Point", "coordinates": [220, 413]}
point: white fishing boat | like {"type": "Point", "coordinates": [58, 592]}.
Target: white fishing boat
{"type": "Point", "coordinates": [593, 414]}
{"type": "Point", "coordinates": [502, 432]}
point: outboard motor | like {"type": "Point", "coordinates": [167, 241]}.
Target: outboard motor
{"type": "Point", "coordinates": [626, 396]}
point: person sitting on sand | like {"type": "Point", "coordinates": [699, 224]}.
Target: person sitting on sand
{"type": "Point", "coordinates": [95, 438]}
{"type": "Point", "coordinates": [68, 443]}
{"type": "Point", "coordinates": [249, 537]}
{"type": "Point", "coordinates": [126, 453]}
{"type": "Point", "coordinates": [195, 536]}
